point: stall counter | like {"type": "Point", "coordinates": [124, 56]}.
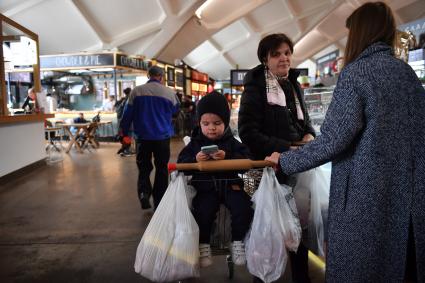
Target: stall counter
{"type": "Point", "coordinates": [105, 116]}
{"type": "Point", "coordinates": [21, 141]}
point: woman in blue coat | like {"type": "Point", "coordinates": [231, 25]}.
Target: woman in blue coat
{"type": "Point", "coordinates": [374, 134]}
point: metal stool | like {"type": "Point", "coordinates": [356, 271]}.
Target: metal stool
{"type": "Point", "coordinates": [54, 146]}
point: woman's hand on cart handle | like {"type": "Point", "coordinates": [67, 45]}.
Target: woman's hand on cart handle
{"type": "Point", "coordinates": [307, 138]}
{"type": "Point", "coordinates": [220, 165]}
{"type": "Point", "coordinates": [274, 158]}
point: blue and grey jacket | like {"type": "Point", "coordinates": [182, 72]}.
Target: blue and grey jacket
{"type": "Point", "coordinates": [150, 108]}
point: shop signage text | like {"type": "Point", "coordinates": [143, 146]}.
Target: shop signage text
{"type": "Point", "coordinates": [198, 76]}
{"type": "Point", "coordinates": [70, 61]}
{"type": "Point", "coordinates": [131, 62]}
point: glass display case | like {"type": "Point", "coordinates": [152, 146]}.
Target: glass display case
{"type": "Point", "coordinates": [317, 101]}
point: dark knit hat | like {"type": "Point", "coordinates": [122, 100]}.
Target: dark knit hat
{"type": "Point", "coordinates": [214, 102]}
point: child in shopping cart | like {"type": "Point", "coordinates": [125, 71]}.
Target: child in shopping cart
{"type": "Point", "coordinates": [214, 188]}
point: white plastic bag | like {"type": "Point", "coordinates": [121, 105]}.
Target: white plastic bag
{"type": "Point", "coordinates": [190, 194]}
{"type": "Point", "coordinates": [169, 248]}
{"type": "Point", "coordinates": [265, 243]}
{"type": "Point", "coordinates": [312, 199]}
{"type": "Point", "coordinates": [289, 216]}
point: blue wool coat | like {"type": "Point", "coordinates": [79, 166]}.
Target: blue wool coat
{"type": "Point", "coordinates": [374, 134]}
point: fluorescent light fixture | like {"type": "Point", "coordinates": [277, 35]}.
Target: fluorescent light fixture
{"type": "Point", "coordinates": [102, 69]}
{"type": "Point", "coordinates": [199, 11]}
{"type": "Point", "coordinates": [79, 71]}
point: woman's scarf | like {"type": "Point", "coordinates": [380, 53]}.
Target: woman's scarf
{"type": "Point", "coordinates": [276, 95]}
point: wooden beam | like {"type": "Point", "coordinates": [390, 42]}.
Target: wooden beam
{"type": "Point", "coordinates": [3, 96]}
{"type": "Point", "coordinates": [11, 22]}
{"type": "Point", "coordinates": [10, 38]}
{"type": "Point", "coordinates": [35, 69]}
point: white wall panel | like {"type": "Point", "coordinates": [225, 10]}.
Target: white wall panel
{"type": "Point", "coordinates": [20, 145]}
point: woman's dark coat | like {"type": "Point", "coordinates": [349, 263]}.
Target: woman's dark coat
{"type": "Point", "coordinates": [266, 128]}
{"type": "Point", "coordinates": [374, 133]}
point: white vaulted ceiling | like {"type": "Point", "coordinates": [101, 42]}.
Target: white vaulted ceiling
{"type": "Point", "coordinates": [224, 37]}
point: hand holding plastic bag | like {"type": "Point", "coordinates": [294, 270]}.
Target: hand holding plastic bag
{"type": "Point", "coordinates": [169, 248]}
{"type": "Point", "coordinates": [265, 244]}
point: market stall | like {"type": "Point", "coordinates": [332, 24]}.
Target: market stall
{"type": "Point", "coordinates": [21, 136]}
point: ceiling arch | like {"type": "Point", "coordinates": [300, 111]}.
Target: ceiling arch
{"type": "Point", "coordinates": [224, 36]}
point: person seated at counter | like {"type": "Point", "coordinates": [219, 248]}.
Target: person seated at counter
{"type": "Point", "coordinates": [29, 105]}
{"type": "Point", "coordinates": [80, 119]}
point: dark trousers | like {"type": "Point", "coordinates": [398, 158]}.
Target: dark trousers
{"type": "Point", "coordinates": [160, 150]}
{"type": "Point", "coordinates": [299, 264]}
{"type": "Point", "coordinates": [206, 205]}
{"type": "Point", "coordinates": [410, 273]}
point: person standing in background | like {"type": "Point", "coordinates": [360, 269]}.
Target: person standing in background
{"type": "Point", "coordinates": [126, 149]}
{"type": "Point", "coordinates": [150, 108]}
{"type": "Point", "coordinates": [120, 104]}
{"type": "Point", "coordinates": [30, 103]}
{"type": "Point", "coordinates": [273, 115]}
{"type": "Point", "coordinates": [189, 118]}
{"type": "Point", "coordinates": [374, 135]}
{"type": "Point", "coordinates": [109, 105]}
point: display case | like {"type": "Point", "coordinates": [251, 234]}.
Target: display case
{"type": "Point", "coordinates": [317, 101]}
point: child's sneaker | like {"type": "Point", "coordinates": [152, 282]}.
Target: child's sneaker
{"type": "Point", "coordinates": [205, 255]}
{"type": "Point", "coordinates": [238, 253]}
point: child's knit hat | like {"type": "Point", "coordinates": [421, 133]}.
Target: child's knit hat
{"type": "Point", "coordinates": [214, 102]}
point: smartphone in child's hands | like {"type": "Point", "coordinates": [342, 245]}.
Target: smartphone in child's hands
{"type": "Point", "coordinates": [209, 149]}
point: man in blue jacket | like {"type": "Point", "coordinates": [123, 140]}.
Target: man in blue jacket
{"type": "Point", "coordinates": [150, 108]}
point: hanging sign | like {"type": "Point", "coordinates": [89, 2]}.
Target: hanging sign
{"type": "Point", "coordinates": [131, 62]}
{"type": "Point", "coordinates": [237, 76]}
{"type": "Point", "coordinates": [76, 61]}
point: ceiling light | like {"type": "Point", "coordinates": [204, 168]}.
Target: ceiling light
{"type": "Point", "coordinates": [102, 69]}
{"type": "Point", "coordinates": [199, 11]}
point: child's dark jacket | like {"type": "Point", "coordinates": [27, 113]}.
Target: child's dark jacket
{"type": "Point", "coordinates": [207, 181]}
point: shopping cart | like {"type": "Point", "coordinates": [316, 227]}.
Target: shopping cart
{"type": "Point", "coordinates": [251, 176]}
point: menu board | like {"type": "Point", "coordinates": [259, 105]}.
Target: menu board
{"type": "Point", "coordinates": [179, 79]}
{"type": "Point", "coordinates": [170, 76]}
{"type": "Point", "coordinates": [237, 76]}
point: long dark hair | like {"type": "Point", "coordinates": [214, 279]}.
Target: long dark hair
{"type": "Point", "coordinates": [370, 23]}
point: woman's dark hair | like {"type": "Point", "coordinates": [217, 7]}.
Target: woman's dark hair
{"type": "Point", "coordinates": [127, 91]}
{"type": "Point", "coordinates": [271, 43]}
{"type": "Point", "coordinates": [370, 23]}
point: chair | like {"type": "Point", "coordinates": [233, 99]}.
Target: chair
{"type": "Point", "coordinates": [54, 145]}
{"type": "Point", "coordinates": [89, 137]}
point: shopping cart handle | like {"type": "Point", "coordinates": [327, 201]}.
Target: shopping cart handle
{"type": "Point", "coordinates": [299, 143]}
{"type": "Point", "coordinates": [220, 165]}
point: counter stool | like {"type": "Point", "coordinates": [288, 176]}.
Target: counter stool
{"type": "Point", "coordinates": [54, 144]}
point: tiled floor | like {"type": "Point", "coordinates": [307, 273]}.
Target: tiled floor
{"type": "Point", "coordinates": [80, 221]}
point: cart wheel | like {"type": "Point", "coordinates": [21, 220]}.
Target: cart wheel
{"type": "Point", "coordinates": [230, 266]}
